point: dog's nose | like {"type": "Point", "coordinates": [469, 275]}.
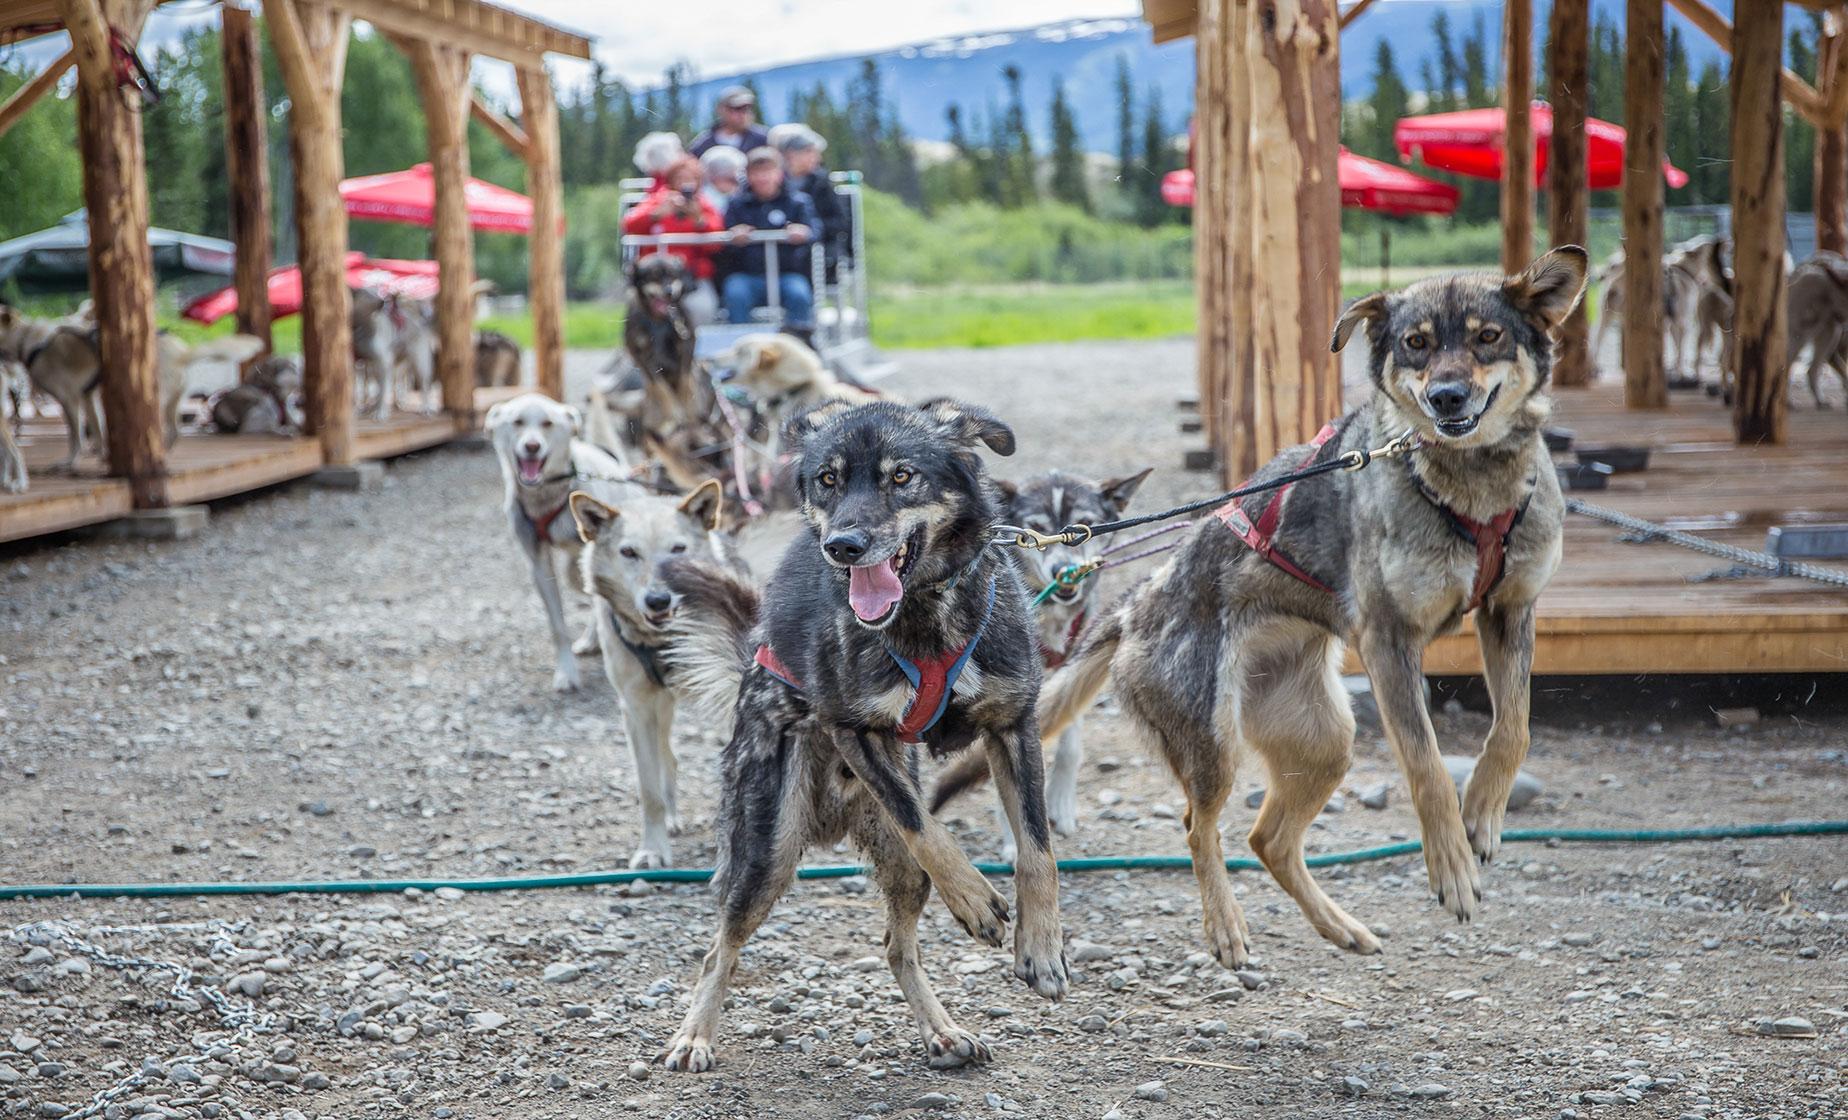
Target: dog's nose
{"type": "Point", "coordinates": [532, 447]}
{"type": "Point", "coordinates": [846, 546]}
{"type": "Point", "coordinates": [658, 601]}
{"type": "Point", "coordinates": [1448, 398]}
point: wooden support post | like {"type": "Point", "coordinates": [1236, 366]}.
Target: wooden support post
{"type": "Point", "coordinates": [1517, 182]}
{"type": "Point", "coordinates": [115, 191]}
{"type": "Point", "coordinates": [1238, 457]}
{"type": "Point", "coordinates": [1294, 203]}
{"type": "Point", "coordinates": [311, 44]}
{"type": "Point", "coordinates": [1645, 382]}
{"type": "Point", "coordinates": [30, 94]}
{"type": "Point", "coordinates": [1568, 197]}
{"type": "Point", "coordinates": [247, 168]}
{"type": "Point", "coordinates": [442, 79]}
{"type": "Point", "coordinates": [1759, 345]}
{"type": "Point", "coordinates": [1831, 162]}
{"type": "Point", "coordinates": [544, 185]}
{"type": "Point", "coordinates": [1212, 112]}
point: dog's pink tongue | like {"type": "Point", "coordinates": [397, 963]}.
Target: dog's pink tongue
{"type": "Point", "coordinates": [872, 590]}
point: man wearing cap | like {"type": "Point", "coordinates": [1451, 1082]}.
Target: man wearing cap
{"type": "Point", "coordinates": [737, 124]}
{"type": "Point", "coordinates": [768, 203]}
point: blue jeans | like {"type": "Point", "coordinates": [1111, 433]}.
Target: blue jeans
{"type": "Point", "coordinates": [746, 290]}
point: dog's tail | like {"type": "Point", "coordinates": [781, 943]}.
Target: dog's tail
{"type": "Point", "coordinates": [1066, 695]}
{"type": "Point", "coordinates": [709, 647]}
{"type": "Point", "coordinates": [236, 348]}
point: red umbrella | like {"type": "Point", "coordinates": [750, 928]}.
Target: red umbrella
{"type": "Point", "coordinates": [1366, 184]}
{"type": "Point", "coordinates": [1470, 143]}
{"type": "Point", "coordinates": [409, 196]}
{"type": "Point", "coordinates": [412, 279]}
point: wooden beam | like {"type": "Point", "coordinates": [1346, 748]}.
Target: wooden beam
{"type": "Point", "coordinates": [545, 186]}
{"type": "Point", "coordinates": [476, 28]}
{"type": "Point", "coordinates": [442, 81]}
{"type": "Point", "coordinates": [1759, 345]}
{"type": "Point", "coordinates": [247, 169]}
{"type": "Point", "coordinates": [1354, 12]}
{"type": "Point", "coordinates": [29, 94]}
{"type": "Point", "coordinates": [1517, 182]}
{"type": "Point", "coordinates": [310, 41]}
{"type": "Point", "coordinates": [1645, 381]}
{"type": "Point", "coordinates": [115, 191]}
{"type": "Point", "coordinates": [1237, 393]}
{"type": "Point", "coordinates": [1568, 199]}
{"type": "Point", "coordinates": [1800, 94]}
{"type": "Point", "coordinates": [1293, 49]}
{"type": "Point", "coordinates": [1830, 170]}
{"type": "Point", "coordinates": [511, 136]}
{"type": "Point", "coordinates": [1212, 112]}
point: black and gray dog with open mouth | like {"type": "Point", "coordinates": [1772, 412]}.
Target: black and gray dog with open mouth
{"type": "Point", "coordinates": [888, 625]}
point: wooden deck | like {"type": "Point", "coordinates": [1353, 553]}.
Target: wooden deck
{"type": "Point", "coordinates": [201, 467]}
{"type": "Point", "coordinates": [1618, 607]}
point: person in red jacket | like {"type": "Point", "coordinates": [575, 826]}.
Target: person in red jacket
{"type": "Point", "coordinates": [678, 206]}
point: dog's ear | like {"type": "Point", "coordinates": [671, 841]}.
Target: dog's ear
{"type": "Point", "coordinates": [591, 515]}
{"type": "Point", "coordinates": [804, 425]}
{"type": "Point", "coordinates": [769, 352]}
{"type": "Point", "coordinates": [967, 423]}
{"type": "Point", "coordinates": [705, 504]}
{"type": "Point", "coordinates": [1547, 290]}
{"type": "Point", "coordinates": [576, 416]}
{"type": "Point", "coordinates": [1009, 488]}
{"type": "Point", "coordinates": [496, 418]}
{"type": "Point", "coordinates": [1118, 491]}
{"type": "Point", "coordinates": [1372, 308]}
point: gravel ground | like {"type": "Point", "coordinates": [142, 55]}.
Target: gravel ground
{"type": "Point", "coordinates": [338, 685]}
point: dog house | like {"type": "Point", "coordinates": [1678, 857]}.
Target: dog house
{"type": "Point", "coordinates": [1267, 267]}
{"type": "Point", "coordinates": [441, 38]}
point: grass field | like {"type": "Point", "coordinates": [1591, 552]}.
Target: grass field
{"type": "Point", "coordinates": [904, 318]}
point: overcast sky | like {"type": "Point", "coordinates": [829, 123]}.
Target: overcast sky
{"type": "Point", "coordinates": [639, 40]}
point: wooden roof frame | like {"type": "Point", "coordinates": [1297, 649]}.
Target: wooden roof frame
{"type": "Point", "coordinates": [1174, 19]}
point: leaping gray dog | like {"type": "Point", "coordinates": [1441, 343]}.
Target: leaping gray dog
{"type": "Point", "coordinates": [543, 462]}
{"type": "Point", "coordinates": [1238, 640]}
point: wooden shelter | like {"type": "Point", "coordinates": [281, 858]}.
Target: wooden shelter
{"type": "Point", "coordinates": [441, 38]}
{"type": "Point", "coordinates": [1267, 239]}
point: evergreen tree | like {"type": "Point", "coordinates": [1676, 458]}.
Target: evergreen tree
{"type": "Point", "coordinates": [1477, 93]}
{"type": "Point", "coordinates": [1391, 101]}
{"type": "Point", "coordinates": [1449, 70]}
{"type": "Point", "coordinates": [1068, 171]}
{"type": "Point", "coordinates": [1157, 160]}
{"type": "Point", "coordinates": [1678, 116]}
{"type": "Point", "coordinates": [1014, 146]}
{"type": "Point", "coordinates": [1126, 127]}
{"type": "Point", "coordinates": [38, 159]}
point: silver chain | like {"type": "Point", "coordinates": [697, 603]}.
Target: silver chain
{"type": "Point", "coordinates": [244, 1022]}
{"type": "Point", "coordinates": [1762, 561]}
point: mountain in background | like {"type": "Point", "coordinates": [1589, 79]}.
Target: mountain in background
{"type": "Point", "coordinates": [925, 78]}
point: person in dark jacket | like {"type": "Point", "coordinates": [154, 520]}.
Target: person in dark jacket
{"type": "Point", "coordinates": [766, 203]}
{"type": "Point", "coordinates": [802, 149]}
{"type": "Point", "coordinates": [737, 125]}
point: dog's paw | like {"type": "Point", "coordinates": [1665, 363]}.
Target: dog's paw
{"type": "Point", "coordinates": [690, 1054]}
{"type": "Point", "coordinates": [1227, 937]}
{"type": "Point", "coordinates": [672, 822]}
{"type": "Point", "coordinates": [1042, 968]}
{"type": "Point", "coordinates": [565, 679]}
{"type": "Point", "coordinates": [978, 907]}
{"type": "Point", "coordinates": [1062, 809]}
{"type": "Point", "coordinates": [1452, 868]}
{"type": "Point", "coordinates": [649, 857]}
{"type": "Point", "coordinates": [952, 1048]}
{"type": "Point", "coordinates": [586, 644]}
{"type": "Point", "coordinates": [1482, 822]}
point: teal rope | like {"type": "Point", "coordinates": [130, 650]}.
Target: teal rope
{"type": "Point", "coordinates": [702, 874]}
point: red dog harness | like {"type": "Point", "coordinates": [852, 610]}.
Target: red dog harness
{"type": "Point", "coordinates": [1489, 538]}
{"type": "Point", "coordinates": [932, 678]}
{"type": "Point", "coordinates": [542, 526]}
{"type": "Point", "coordinates": [1053, 658]}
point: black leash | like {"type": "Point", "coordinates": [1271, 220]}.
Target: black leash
{"type": "Point", "coordinates": [1358, 459]}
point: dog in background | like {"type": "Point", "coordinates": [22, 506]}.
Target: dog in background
{"type": "Point", "coordinates": [392, 337]}
{"type": "Point", "coordinates": [543, 462]}
{"type": "Point", "coordinates": [13, 478]}
{"type": "Point", "coordinates": [497, 360]}
{"type": "Point", "coordinates": [626, 550]}
{"type": "Point", "coordinates": [1238, 639]}
{"type": "Point", "coordinates": [1045, 504]}
{"type": "Point", "coordinates": [1817, 300]}
{"type": "Point", "coordinates": [889, 623]}
{"type": "Point", "coordinates": [264, 403]}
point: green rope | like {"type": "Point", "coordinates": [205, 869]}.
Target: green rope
{"type": "Point", "coordinates": [1071, 575]}
{"type": "Point", "coordinates": [702, 874]}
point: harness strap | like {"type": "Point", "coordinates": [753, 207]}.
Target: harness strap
{"type": "Point", "coordinates": [542, 526]}
{"type": "Point", "coordinates": [1261, 537]}
{"type": "Point", "coordinates": [933, 679]}
{"type": "Point", "coordinates": [1489, 538]}
{"type": "Point", "coordinates": [1054, 658]}
{"type": "Point", "coordinates": [649, 656]}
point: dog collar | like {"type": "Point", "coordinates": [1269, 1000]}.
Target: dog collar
{"type": "Point", "coordinates": [649, 656]}
{"type": "Point", "coordinates": [933, 679]}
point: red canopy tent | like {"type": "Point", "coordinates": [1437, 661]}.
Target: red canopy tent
{"type": "Point", "coordinates": [409, 196]}
{"type": "Point", "coordinates": [413, 279]}
{"type": "Point", "coordinates": [1366, 184]}
{"type": "Point", "coordinates": [1470, 143]}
